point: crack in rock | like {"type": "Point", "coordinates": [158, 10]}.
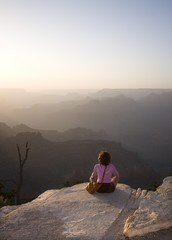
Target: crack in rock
{"type": "Point", "coordinates": [115, 232]}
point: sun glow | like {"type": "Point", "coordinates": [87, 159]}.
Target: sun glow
{"type": "Point", "coordinates": [54, 45]}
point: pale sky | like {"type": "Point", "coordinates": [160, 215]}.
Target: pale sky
{"type": "Point", "coordinates": [61, 44]}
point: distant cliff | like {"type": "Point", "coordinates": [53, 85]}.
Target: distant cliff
{"type": "Point", "coordinates": [50, 164]}
{"type": "Point", "coordinates": [72, 213]}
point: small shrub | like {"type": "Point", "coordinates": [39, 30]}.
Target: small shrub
{"type": "Point", "coordinates": [70, 184]}
{"type": "Point", "coordinates": [153, 186]}
{"type": "Point", "coordinates": [6, 198]}
{"type": "Point", "coordinates": [67, 184]}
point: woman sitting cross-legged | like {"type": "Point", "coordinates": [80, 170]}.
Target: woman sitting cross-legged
{"type": "Point", "coordinates": [105, 170]}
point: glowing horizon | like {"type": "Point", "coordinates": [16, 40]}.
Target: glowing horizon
{"type": "Point", "coordinates": [86, 44]}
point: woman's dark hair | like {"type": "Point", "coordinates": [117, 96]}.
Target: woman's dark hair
{"type": "Point", "coordinates": [104, 158]}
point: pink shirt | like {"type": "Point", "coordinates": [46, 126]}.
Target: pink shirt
{"type": "Point", "coordinates": [99, 170]}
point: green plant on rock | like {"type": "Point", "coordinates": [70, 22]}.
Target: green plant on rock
{"type": "Point", "coordinates": [6, 198]}
{"type": "Point", "coordinates": [153, 186]}
{"type": "Point", "coordinates": [69, 184]}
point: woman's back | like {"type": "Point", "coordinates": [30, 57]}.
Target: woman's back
{"type": "Point", "coordinates": [99, 170]}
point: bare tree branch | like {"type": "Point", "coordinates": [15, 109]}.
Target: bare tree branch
{"type": "Point", "coordinates": [21, 165]}
{"type": "Point", "coordinates": [19, 155]}
{"type": "Point", "coordinates": [26, 155]}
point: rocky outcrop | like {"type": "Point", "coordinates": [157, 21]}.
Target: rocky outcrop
{"type": "Point", "coordinates": [72, 213]}
{"type": "Point", "coordinates": [154, 211]}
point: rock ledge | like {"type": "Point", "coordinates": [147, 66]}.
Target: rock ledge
{"type": "Point", "coordinates": [72, 213]}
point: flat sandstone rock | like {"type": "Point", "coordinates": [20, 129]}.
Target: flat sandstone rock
{"type": "Point", "coordinates": [69, 213]}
